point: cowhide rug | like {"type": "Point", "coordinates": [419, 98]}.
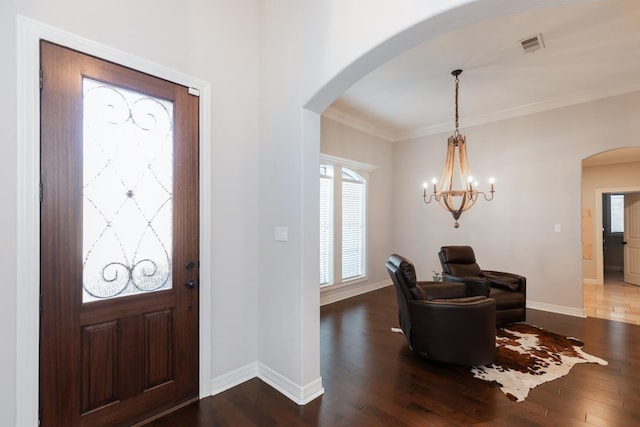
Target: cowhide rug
{"type": "Point", "coordinates": [528, 356]}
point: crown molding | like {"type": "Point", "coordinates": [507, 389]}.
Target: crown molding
{"type": "Point", "coordinates": [358, 124]}
{"type": "Point", "coordinates": [521, 111]}
{"type": "Point", "coordinates": [467, 122]}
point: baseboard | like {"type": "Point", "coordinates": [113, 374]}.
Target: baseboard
{"type": "Point", "coordinates": [616, 268]}
{"type": "Point", "coordinates": [591, 282]}
{"type": "Point", "coordinates": [560, 309]}
{"type": "Point", "coordinates": [300, 395]}
{"type": "Point", "coordinates": [330, 296]}
{"type": "Point", "coordinates": [233, 378]}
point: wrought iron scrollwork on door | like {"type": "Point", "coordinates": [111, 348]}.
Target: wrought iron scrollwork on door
{"type": "Point", "coordinates": [127, 192]}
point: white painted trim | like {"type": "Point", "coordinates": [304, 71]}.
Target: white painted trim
{"type": "Point", "coordinates": [231, 379]}
{"type": "Point", "coordinates": [520, 111]}
{"type": "Point", "coordinates": [590, 282]}
{"type": "Point", "coordinates": [334, 114]}
{"type": "Point", "coordinates": [28, 228]}
{"type": "Point", "coordinates": [206, 251]}
{"type": "Point", "coordinates": [29, 34]}
{"type": "Point", "coordinates": [333, 294]}
{"type": "Point", "coordinates": [560, 309]}
{"type": "Point", "coordinates": [348, 163]}
{"type": "Point", "coordinates": [300, 395]}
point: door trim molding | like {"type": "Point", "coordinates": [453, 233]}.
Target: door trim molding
{"type": "Point", "coordinates": [30, 32]}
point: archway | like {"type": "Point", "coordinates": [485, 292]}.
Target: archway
{"type": "Point", "coordinates": [470, 13]}
{"type": "Point", "coordinates": [612, 171]}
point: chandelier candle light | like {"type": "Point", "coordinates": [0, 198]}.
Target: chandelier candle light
{"type": "Point", "coordinates": [456, 201]}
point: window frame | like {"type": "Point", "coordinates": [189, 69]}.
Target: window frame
{"type": "Point", "coordinates": [328, 176]}
{"type": "Point", "coordinates": [362, 170]}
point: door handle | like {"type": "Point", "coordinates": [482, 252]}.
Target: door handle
{"type": "Point", "coordinates": [190, 284]}
{"type": "Point", "coordinates": [624, 243]}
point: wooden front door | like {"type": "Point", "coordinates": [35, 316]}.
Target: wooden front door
{"type": "Point", "coordinates": [631, 239]}
{"type": "Point", "coordinates": [119, 242]}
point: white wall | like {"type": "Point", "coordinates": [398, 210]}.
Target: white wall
{"type": "Point", "coordinates": [537, 164]}
{"type": "Point", "coordinates": [339, 140]}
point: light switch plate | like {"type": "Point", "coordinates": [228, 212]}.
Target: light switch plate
{"type": "Point", "coordinates": [282, 234]}
{"type": "Point", "coordinates": [557, 228]}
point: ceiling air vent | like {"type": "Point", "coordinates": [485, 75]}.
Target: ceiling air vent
{"type": "Point", "coordinates": [533, 43]}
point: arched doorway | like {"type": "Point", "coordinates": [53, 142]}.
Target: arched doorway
{"type": "Point", "coordinates": [607, 176]}
{"type": "Point", "coordinates": [465, 15]}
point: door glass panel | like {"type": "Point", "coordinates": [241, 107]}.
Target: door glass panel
{"type": "Point", "coordinates": [127, 192]}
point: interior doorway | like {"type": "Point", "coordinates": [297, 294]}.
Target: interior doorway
{"type": "Point", "coordinates": [607, 242]}
{"type": "Point", "coordinates": [607, 178]}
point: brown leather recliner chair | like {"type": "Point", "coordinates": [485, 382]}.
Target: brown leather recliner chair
{"type": "Point", "coordinates": [439, 321]}
{"type": "Point", "coordinates": [508, 289]}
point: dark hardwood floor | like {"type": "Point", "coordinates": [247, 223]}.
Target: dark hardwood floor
{"type": "Point", "coordinates": [372, 379]}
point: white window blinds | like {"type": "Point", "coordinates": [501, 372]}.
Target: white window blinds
{"type": "Point", "coordinates": [617, 213]}
{"type": "Point", "coordinates": [353, 224]}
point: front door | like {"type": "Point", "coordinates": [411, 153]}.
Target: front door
{"type": "Point", "coordinates": [631, 240]}
{"type": "Point", "coordinates": [119, 242]}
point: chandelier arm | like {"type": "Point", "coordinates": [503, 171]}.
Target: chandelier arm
{"type": "Point", "coordinates": [431, 197]}
{"type": "Point", "coordinates": [488, 199]}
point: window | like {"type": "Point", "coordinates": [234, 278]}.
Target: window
{"type": "Point", "coordinates": [353, 224]}
{"type": "Point", "coordinates": [616, 211]}
{"type": "Point", "coordinates": [342, 224]}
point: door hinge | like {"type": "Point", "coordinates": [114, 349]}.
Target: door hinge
{"type": "Point", "coordinates": [41, 79]}
{"type": "Point", "coordinates": [40, 305]}
{"type": "Point", "coordinates": [41, 193]}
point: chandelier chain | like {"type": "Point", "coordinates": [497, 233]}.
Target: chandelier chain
{"type": "Point", "coordinates": [456, 133]}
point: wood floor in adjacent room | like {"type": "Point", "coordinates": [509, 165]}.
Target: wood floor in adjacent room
{"type": "Point", "coordinates": [614, 300]}
{"type": "Point", "coordinates": [372, 379]}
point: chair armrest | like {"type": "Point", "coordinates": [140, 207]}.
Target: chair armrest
{"type": "Point", "coordinates": [522, 281]}
{"type": "Point", "coordinates": [474, 285]}
{"type": "Point", "coordinates": [442, 290]}
{"type": "Point", "coordinates": [505, 274]}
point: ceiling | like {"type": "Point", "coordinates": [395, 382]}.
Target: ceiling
{"type": "Point", "coordinates": [592, 50]}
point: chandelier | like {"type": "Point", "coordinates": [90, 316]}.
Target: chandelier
{"type": "Point", "coordinates": [459, 200]}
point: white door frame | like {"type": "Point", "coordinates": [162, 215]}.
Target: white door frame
{"type": "Point", "coordinates": [30, 33]}
{"type": "Point", "coordinates": [629, 242]}
{"type": "Point", "coordinates": [598, 227]}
